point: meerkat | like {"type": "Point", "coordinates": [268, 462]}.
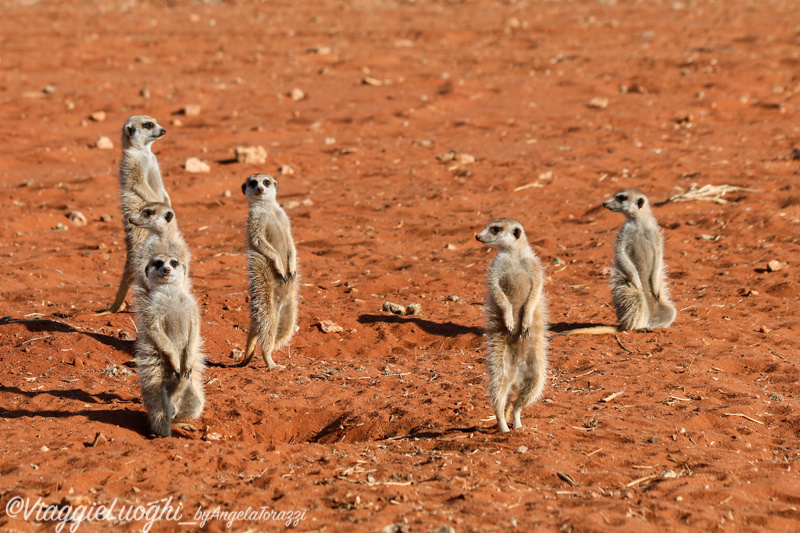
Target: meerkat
{"type": "Point", "coordinates": [272, 266]}
{"type": "Point", "coordinates": [168, 345]}
{"type": "Point", "coordinates": [162, 231]}
{"type": "Point", "coordinates": [638, 288]}
{"type": "Point", "coordinates": [139, 183]}
{"type": "Point", "coordinates": [515, 311]}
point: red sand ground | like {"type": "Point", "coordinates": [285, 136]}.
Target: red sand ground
{"type": "Point", "coordinates": [388, 422]}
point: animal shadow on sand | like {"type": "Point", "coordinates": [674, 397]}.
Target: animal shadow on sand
{"type": "Point", "coordinates": [134, 420]}
{"type": "Point", "coordinates": [443, 329]}
{"type": "Point", "coordinates": [48, 325]}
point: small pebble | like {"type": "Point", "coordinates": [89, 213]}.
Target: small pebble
{"type": "Point", "coordinates": [104, 143]}
{"type": "Point", "coordinates": [191, 110]}
{"type": "Point", "coordinates": [77, 218]}
{"type": "Point", "coordinates": [98, 116]}
{"type": "Point", "coordinates": [251, 155]}
{"type": "Point", "coordinates": [598, 102]}
{"type": "Point", "coordinates": [397, 309]}
{"type": "Point", "coordinates": [414, 309]}
{"type": "Point", "coordinates": [194, 165]}
{"type": "Point", "coordinates": [328, 326]}
{"type": "Point", "coordinates": [775, 265]}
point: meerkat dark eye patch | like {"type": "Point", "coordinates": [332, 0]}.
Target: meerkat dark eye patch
{"type": "Point", "coordinates": [158, 264]}
{"type": "Point", "coordinates": [168, 216]}
{"type": "Point", "coordinates": [174, 263]}
{"type": "Point", "coordinates": [622, 197]}
{"type": "Point", "coordinates": [147, 125]}
{"type": "Point", "coordinates": [640, 202]}
{"type": "Point", "coordinates": [148, 212]}
{"type": "Point", "coordinates": [517, 233]}
{"type": "Point", "coordinates": [496, 229]}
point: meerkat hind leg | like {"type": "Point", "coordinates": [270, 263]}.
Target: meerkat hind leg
{"type": "Point", "coordinates": [531, 388]}
{"type": "Point", "coordinates": [500, 383]}
{"type": "Point", "coordinates": [191, 401]}
{"type": "Point", "coordinates": [125, 285]}
{"type": "Point", "coordinates": [287, 317]}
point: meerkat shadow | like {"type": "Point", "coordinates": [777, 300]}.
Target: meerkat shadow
{"type": "Point", "coordinates": [215, 364]}
{"type": "Point", "coordinates": [561, 327]}
{"type": "Point", "coordinates": [48, 325]}
{"type": "Point", "coordinates": [68, 394]}
{"type": "Point", "coordinates": [443, 329]}
{"type": "Point", "coordinates": [135, 421]}
{"type": "Point", "coordinates": [427, 433]}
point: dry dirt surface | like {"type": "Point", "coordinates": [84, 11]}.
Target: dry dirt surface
{"type": "Point", "coordinates": [397, 130]}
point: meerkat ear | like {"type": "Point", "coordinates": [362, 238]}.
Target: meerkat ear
{"type": "Point", "coordinates": [244, 188]}
{"type": "Point", "coordinates": [169, 216]}
{"type": "Point", "coordinates": [276, 185]}
{"type": "Point", "coordinates": [131, 129]}
{"type": "Point", "coordinates": [517, 233]}
{"type": "Point", "coordinates": [640, 202]}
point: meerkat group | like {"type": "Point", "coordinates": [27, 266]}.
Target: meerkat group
{"type": "Point", "coordinates": [516, 333]}
{"type": "Point", "coordinates": [168, 348]}
{"type": "Point", "coordinates": [168, 352]}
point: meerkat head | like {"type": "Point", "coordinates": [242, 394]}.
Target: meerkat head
{"type": "Point", "coordinates": [630, 202]}
{"type": "Point", "coordinates": [259, 187]}
{"type": "Point", "coordinates": [502, 233]}
{"type": "Point", "coordinates": [164, 270]}
{"type": "Point", "coordinates": [154, 216]}
{"type": "Point", "coordinates": [140, 131]}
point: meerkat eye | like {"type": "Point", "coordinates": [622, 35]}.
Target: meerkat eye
{"type": "Point", "coordinates": [147, 125]}
{"type": "Point", "coordinates": [158, 264]}
{"type": "Point", "coordinates": [621, 197]}
{"type": "Point", "coordinates": [267, 183]}
{"type": "Point", "coordinates": [148, 212]}
{"type": "Point", "coordinates": [174, 263]}
{"type": "Point", "coordinates": [495, 229]}
{"type": "Point", "coordinates": [252, 184]}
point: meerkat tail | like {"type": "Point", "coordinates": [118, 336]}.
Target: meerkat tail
{"type": "Point", "coordinates": [252, 340]}
{"type": "Point", "coordinates": [160, 408]}
{"type": "Point", "coordinates": [596, 330]}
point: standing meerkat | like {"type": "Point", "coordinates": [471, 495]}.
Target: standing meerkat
{"type": "Point", "coordinates": [139, 183]}
{"type": "Point", "coordinates": [638, 288]}
{"type": "Point", "coordinates": [158, 219]}
{"type": "Point", "coordinates": [168, 346]}
{"type": "Point", "coordinates": [272, 265]}
{"type": "Point", "coordinates": [515, 312]}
